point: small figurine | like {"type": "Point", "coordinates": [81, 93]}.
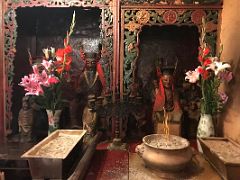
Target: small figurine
{"type": "Point", "coordinates": [90, 116]}
{"type": "Point", "coordinates": [25, 120]}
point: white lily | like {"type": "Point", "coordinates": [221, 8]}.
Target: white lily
{"type": "Point", "coordinates": [52, 50]}
{"type": "Point", "coordinates": [46, 53]}
{"type": "Point", "coordinates": [218, 67]}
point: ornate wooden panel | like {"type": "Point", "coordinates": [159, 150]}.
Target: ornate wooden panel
{"type": "Point", "coordinates": [10, 36]}
{"type": "Point", "coordinates": [56, 3]}
{"type": "Point", "coordinates": [169, 2]}
{"type": "Point", "coordinates": [1, 73]}
{"type": "Point", "coordinates": [134, 18]}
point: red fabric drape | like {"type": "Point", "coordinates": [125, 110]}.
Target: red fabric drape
{"type": "Point", "coordinates": [160, 97]}
{"type": "Point", "coordinates": [101, 75]}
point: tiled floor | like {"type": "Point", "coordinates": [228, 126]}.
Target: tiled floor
{"type": "Point", "coordinates": [126, 165]}
{"type": "Point", "coordinates": [109, 165]}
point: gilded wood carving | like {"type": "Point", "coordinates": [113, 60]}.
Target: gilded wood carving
{"type": "Point", "coordinates": [136, 18]}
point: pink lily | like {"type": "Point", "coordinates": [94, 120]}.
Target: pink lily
{"type": "Point", "coordinates": [35, 69]}
{"type": "Point", "coordinates": [223, 96]}
{"type": "Point", "coordinates": [226, 76]}
{"type": "Point", "coordinates": [47, 64]}
{"type": "Point", "coordinates": [31, 85]}
{"type": "Point", "coordinates": [192, 76]}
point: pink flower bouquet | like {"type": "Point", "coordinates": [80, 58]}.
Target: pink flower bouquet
{"type": "Point", "coordinates": [209, 74]}
{"type": "Point", "coordinates": [48, 76]}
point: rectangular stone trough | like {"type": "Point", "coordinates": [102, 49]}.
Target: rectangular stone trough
{"type": "Point", "coordinates": [224, 155]}
{"type": "Point", "coordinates": [54, 156]}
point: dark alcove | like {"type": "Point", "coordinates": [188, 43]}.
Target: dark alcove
{"type": "Point", "coordinates": [170, 43]}
{"type": "Point", "coordinates": [165, 42]}
{"type": "Point", "coordinates": [39, 28]}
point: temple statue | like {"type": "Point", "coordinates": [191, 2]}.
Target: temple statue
{"type": "Point", "coordinates": [90, 82]}
{"type": "Point", "coordinates": [25, 120]}
{"type": "Point", "coordinates": [90, 116]}
{"type": "Point", "coordinates": [166, 106]}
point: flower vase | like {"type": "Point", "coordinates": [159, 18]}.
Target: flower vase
{"type": "Point", "coordinates": [53, 120]}
{"type": "Point", "coordinates": [205, 128]}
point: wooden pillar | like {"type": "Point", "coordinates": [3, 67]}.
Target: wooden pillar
{"type": "Point", "coordinates": [116, 48]}
{"type": "Point", "coordinates": [121, 58]}
{"type": "Point", "coordinates": [2, 77]}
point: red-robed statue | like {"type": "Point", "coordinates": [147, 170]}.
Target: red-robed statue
{"type": "Point", "coordinates": [91, 82]}
{"type": "Point", "coordinates": [166, 105]}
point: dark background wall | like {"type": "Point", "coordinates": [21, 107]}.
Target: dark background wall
{"type": "Point", "coordinates": [168, 43]}
{"type": "Point", "coordinates": [40, 28]}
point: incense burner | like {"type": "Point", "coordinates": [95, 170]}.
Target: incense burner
{"type": "Point", "coordinates": [161, 152]}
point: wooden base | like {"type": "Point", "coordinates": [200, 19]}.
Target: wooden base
{"type": "Point", "coordinates": [117, 145]}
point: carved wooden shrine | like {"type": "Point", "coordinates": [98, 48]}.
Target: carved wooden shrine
{"type": "Point", "coordinates": [121, 23]}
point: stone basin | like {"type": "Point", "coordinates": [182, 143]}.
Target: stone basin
{"type": "Point", "coordinates": [160, 152]}
{"type": "Point", "coordinates": [55, 156]}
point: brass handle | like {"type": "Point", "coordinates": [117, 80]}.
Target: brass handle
{"type": "Point", "coordinates": [140, 149]}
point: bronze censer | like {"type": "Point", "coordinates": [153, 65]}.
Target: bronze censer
{"type": "Point", "coordinates": [170, 153]}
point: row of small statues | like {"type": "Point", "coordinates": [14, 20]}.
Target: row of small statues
{"type": "Point", "coordinates": [164, 98]}
{"type": "Point", "coordinates": [88, 95]}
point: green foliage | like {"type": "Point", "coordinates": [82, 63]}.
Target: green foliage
{"type": "Point", "coordinates": [210, 97]}
{"type": "Point", "coordinates": [52, 98]}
